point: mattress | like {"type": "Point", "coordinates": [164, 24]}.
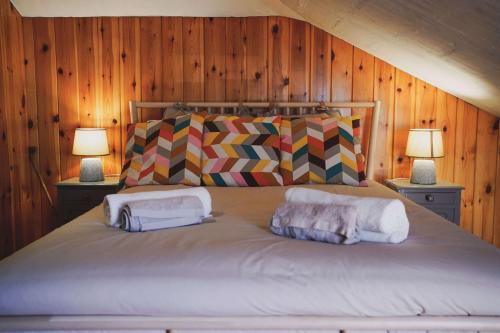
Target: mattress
{"type": "Point", "coordinates": [236, 267]}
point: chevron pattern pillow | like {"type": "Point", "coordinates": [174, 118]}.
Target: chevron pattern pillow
{"type": "Point", "coordinates": [241, 151]}
{"type": "Point", "coordinates": [164, 152]}
{"type": "Point", "coordinates": [322, 150]}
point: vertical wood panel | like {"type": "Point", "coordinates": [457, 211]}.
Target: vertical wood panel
{"type": "Point", "coordinates": [48, 115]}
{"type": "Point", "coordinates": [192, 39]}
{"type": "Point", "coordinates": [172, 58]}
{"type": "Point", "coordinates": [86, 41]}
{"type": "Point", "coordinates": [109, 59]}
{"type": "Point", "coordinates": [465, 159]}
{"type": "Point", "coordinates": [300, 65]}
{"type": "Point", "coordinates": [321, 70]}
{"type": "Point", "coordinates": [215, 64]}
{"type": "Point", "coordinates": [384, 86]}
{"type": "Point", "coordinates": [256, 48]}
{"type": "Point", "coordinates": [496, 222]}
{"type": "Point", "coordinates": [7, 223]}
{"type": "Point", "coordinates": [341, 56]}
{"type": "Point", "coordinates": [425, 105]}
{"type": "Point", "coordinates": [235, 60]}
{"type": "Point", "coordinates": [278, 58]}
{"type": "Point", "coordinates": [67, 92]}
{"type": "Point", "coordinates": [404, 106]}
{"type": "Point", "coordinates": [130, 69]}
{"type": "Point", "coordinates": [446, 120]}
{"type": "Point", "coordinates": [17, 120]}
{"type": "Point", "coordinates": [484, 182]}
{"type": "Point", "coordinates": [32, 125]}
{"type": "Point", "coordinates": [151, 69]}
{"type": "Point", "coordinates": [362, 90]}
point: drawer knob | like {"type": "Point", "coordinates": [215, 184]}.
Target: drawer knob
{"type": "Point", "coordinates": [429, 197]}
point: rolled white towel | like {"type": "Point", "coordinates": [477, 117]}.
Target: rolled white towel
{"type": "Point", "coordinates": [146, 215]}
{"type": "Point", "coordinates": [377, 215]}
{"type": "Point", "coordinates": [113, 203]}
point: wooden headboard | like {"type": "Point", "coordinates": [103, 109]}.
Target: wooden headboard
{"type": "Point", "coordinates": [285, 109]}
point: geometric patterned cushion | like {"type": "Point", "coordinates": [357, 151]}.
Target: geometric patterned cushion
{"type": "Point", "coordinates": [322, 150]}
{"type": "Point", "coordinates": [164, 151]}
{"type": "Point", "coordinates": [241, 151]}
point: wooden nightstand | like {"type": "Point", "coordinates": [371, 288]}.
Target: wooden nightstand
{"type": "Point", "coordinates": [75, 198]}
{"type": "Point", "coordinates": [442, 198]}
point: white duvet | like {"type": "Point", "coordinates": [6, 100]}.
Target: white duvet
{"type": "Point", "coordinates": [237, 267]}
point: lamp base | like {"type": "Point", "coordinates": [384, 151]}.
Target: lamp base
{"type": "Point", "coordinates": [423, 172]}
{"type": "Point", "coordinates": [91, 170]}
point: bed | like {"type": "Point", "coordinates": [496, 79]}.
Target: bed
{"type": "Point", "coordinates": [234, 274]}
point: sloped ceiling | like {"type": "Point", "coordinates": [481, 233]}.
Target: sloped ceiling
{"type": "Point", "coordinates": [452, 44]}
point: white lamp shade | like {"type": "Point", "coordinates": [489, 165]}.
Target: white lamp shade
{"type": "Point", "coordinates": [425, 143]}
{"type": "Point", "coordinates": [90, 142]}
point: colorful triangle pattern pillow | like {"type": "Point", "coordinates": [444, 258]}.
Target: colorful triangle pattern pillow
{"type": "Point", "coordinates": [241, 151]}
{"type": "Point", "coordinates": [164, 152]}
{"type": "Point", "coordinates": [322, 150]}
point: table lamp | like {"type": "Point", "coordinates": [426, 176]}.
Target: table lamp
{"type": "Point", "coordinates": [91, 142]}
{"type": "Point", "coordinates": [424, 143]}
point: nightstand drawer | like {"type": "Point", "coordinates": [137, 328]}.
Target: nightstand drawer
{"type": "Point", "coordinates": [70, 212]}
{"type": "Point", "coordinates": [446, 212]}
{"type": "Point", "coordinates": [89, 195]}
{"type": "Point", "coordinates": [434, 198]}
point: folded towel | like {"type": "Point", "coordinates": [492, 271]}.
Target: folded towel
{"type": "Point", "coordinates": [379, 219]}
{"type": "Point", "coordinates": [113, 203]}
{"type": "Point", "coordinates": [156, 214]}
{"type": "Point", "coordinates": [324, 223]}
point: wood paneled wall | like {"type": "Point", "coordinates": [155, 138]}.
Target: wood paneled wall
{"type": "Point", "coordinates": [62, 73]}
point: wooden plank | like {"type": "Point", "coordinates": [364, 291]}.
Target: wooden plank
{"type": "Point", "coordinates": [18, 122]}
{"type": "Point", "coordinates": [151, 65]}
{"type": "Point", "coordinates": [384, 86]}
{"type": "Point", "coordinates": [404, 107]}
{"type": "Point", "coordinates": [236, 90]}
{"type": "Point", "coordinates": [86, 41]}
{"type": "Point", "coordinates": [67, 92]}
{"type": "Point", "coordinates": [109, 77]}
{"type": "Point", "coordinates": [32, 127]}
{"type": "Point", "coordinates": [172, 59]}
{"type": "Point", "coordinates": [192, 40]}
{"type": "Point", "coordinates": [7, 228]}
{"type": "Point", "coordinates": [465, 159]}
{"type": "Point", "coordinates": [48, 115]}
{"type": "Point", "coordinates": [278, 58]}
{"type": "Point", "coordinates": [497, 194]}
{"type": "Point", "coordinates": [446, 120]}
{"type": "Point", "coordinates": [130, 70]}
{"type": "Point", "coordinates": [321, 70]}
{"type": "Point", "coordinates": [484, 181]}
{"type": "Point", "coordinates": [256, 56]}
{"type": "Point", "coordinates": [215, 62]}
{"type": "Point", "coordinates": [425, 105]}
{"type": "Point", "coordinates": [300, 66]}
{"type": "Point", "coordinates": [362, 90]}
{"type": "Point", "coordinates": [341, 57]}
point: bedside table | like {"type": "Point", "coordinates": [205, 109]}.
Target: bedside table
{"type": "Point", "coordinates": [75, 198]}
{"type": "Point", "coordinates": [443, 198]}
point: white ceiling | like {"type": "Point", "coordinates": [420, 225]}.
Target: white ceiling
{"type": "Point", "coordinates": [452, 44]}
{"type": "Point", "coordinates": [207, 8]}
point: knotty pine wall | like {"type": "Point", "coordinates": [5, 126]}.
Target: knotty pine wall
{"type": "Point", "coordinates": [63, 73]}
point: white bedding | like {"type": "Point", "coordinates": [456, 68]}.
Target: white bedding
{"type": "Point", "coordinates": [236, 267]}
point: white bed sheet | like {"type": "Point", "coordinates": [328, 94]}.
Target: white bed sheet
{"type": "Point", "coordinates": [236, 267]}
